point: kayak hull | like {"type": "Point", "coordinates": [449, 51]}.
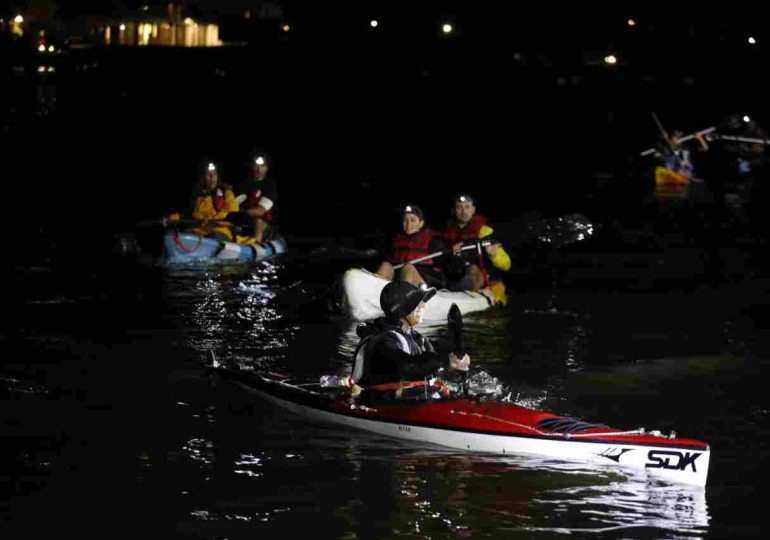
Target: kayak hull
{"type": "Point", "coordinates": [361, 298]}
{"type": "Point", "coordinates": [497, 427]}
{"type": "Point", "coordinates": [183, 247]}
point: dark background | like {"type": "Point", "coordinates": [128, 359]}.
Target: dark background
{"type": "Point", "coordinates": [516, 107]}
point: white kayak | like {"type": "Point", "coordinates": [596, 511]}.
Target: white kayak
{"type": "Point", "coordinates": [361, 298]}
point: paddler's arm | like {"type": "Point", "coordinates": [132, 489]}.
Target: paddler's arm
{"type": "Point", "coordinates": [500, 259]}
{"type": "Point", "coordinates": [414, 368]}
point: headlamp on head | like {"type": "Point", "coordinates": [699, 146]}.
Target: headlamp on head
{"type": "Point", "coordinates": [259, 160]}
{"type": "Point", "coordinates": [211, 167]}
{"type": "Point", "coordinates": [413, 209]}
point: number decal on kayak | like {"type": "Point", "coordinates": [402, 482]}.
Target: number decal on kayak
{"type": "Point", "coordinates": [662, 459]}
{"type": "Point", "coordinates": [404, 428]}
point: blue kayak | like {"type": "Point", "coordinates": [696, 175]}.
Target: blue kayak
{"type": "Point", "coordinates": [184, 247]}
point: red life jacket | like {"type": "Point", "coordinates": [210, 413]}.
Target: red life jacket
{"type": "Point", "coordinates": [410, 247]}
{"type": "Point", "coordinates": [454, 234]}
{"type": "Point", "coordinates": [252, 201]}
{"type": "Point", "coordinates": [218, 198]}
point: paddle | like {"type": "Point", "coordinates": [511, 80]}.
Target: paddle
{"type": "Point", "coordinates": [558, 231]}
{"type": "Point", "coordinates": [735, 138]}
{"type": "Point", "coordinates": [686, 138]}
{"type": "Point", "coordinates": [165, 222]}
{"type": "Point", "coordinates": [455, 325]}
{"type": "Point", "coordinates": [466, 246]}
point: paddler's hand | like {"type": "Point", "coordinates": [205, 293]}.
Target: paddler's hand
{"type": "Point", "coordinates": [491, 249]}
{"type": "Point", "coordinates": [459, 364]}
{"type": "Point", "coordinates": [457, 248]}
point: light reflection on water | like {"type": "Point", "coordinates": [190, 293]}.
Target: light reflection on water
{"type": "Point", "coordinates": [362, 479]}
{"type": "Point", "coordinates": [545, 359]}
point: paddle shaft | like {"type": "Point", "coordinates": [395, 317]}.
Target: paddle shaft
{"type": "Point", "coordinates": [169, 222]}
{"type": "Point", "coordinates": [683, 139]}
{"type": "Point", "coordinates": [444, 252]}
{"type": "Point", "coordinates": [743, 139]}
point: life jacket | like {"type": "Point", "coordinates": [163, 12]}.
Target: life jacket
{"type": "Point", "coordinates": [252, 201]}
{"type": "Point", "coordinates": [217, 196]}
{"type": "Point", "coordinates": [410, 247]}
{"type": "Point", "coordinates": [471, 232]}
{"type": "Point", "coordinates": [359, 360]}
{"type": "Point", "coordinates": [454, 234]}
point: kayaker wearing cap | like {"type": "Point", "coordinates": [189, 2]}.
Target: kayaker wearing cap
{"type": "Point", "coordinates": [416, 241]}
{"type": "Point", "coordinates": [467, 270]}
{"type": "Point", "coordinates": [259, 193]}
{"type": "Point", "coordinates": [393, 356]}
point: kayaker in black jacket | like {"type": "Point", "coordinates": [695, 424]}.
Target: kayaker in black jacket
{"type": "Point", "coordinates": [392, 355]}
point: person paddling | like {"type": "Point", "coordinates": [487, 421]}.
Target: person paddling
{"type": "Point", "coordinates": [211, 207]}
{"type": "Point", "coordinates": [473, 270]}
{"type": "Point", "coordinates": [393, 359]}
{"type": "Point", "coordinates": [259, 194]}
{"type": "Point", "coordinates": [415, 241]}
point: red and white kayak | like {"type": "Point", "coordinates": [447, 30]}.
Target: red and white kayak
{"type": "Point", "coordinates": [493, 426]}
{"type": "Point", "coordinates": [361, 298]}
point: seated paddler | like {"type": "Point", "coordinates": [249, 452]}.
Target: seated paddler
{"type": "Point", "coordinates": [214, 201]}
{"type": "Point", "coordinates": [411, 250]}
{"type": "Point", "coordinates": [393, 359]}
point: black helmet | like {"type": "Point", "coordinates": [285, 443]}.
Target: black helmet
{"type": "Point", "coordinates": [399, 298]}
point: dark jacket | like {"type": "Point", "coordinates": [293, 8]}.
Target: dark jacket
{"type": "Point", "coordinates": [392, 354]}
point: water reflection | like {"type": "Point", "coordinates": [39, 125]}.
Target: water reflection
{"type": "Point", "coordinates": [544, 359]}
{"type": "Point", "coordinates": [231, 309]}
{"type": "Point", "coordinates": [477, 495]}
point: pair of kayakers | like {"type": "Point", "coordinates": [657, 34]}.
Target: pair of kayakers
{"type": "Point", "coordinates": [451, 266]}
{"type": "Point", "coordinates": [246, 219]}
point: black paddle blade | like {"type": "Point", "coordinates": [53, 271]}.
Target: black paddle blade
{"type": "Point", "coordinates": [455, 323]}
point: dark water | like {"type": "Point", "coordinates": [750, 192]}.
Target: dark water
{"type": "Point", "coordinates": [112, 427]}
